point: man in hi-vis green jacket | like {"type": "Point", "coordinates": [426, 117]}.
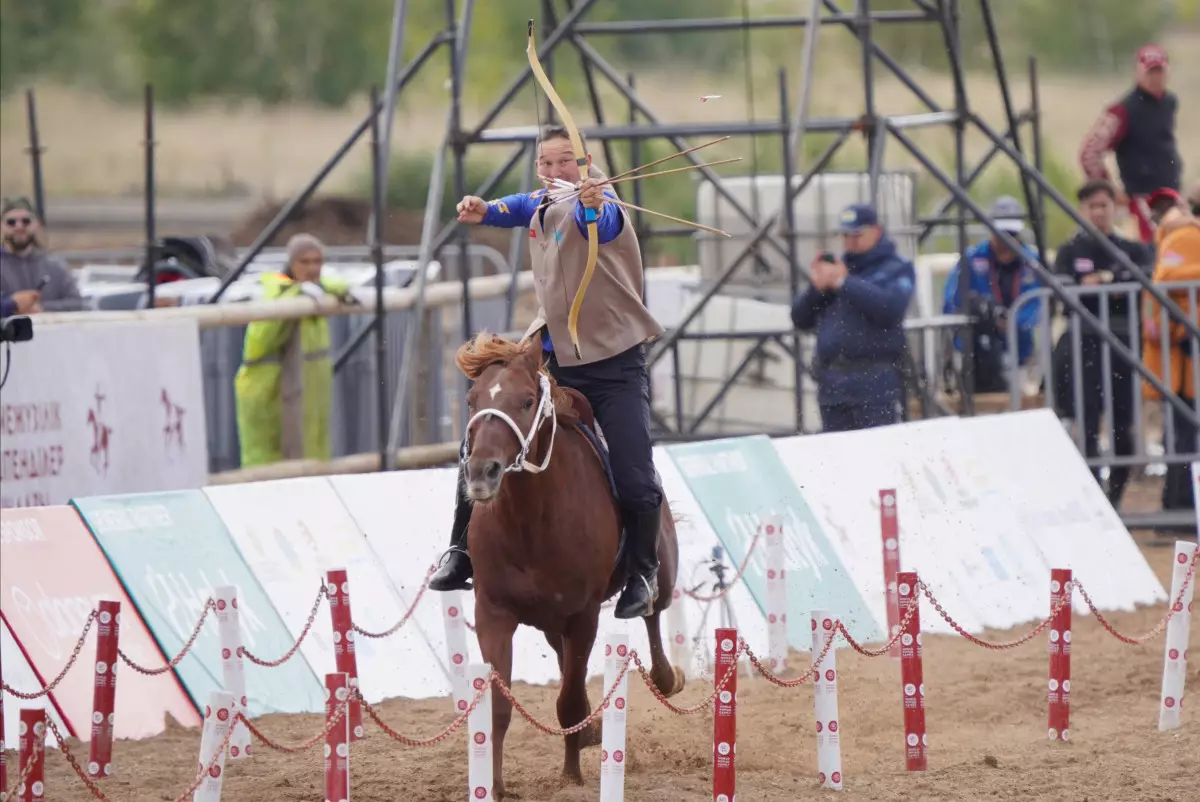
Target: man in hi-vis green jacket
{"type": "Point", "coordinates": [284, 387]}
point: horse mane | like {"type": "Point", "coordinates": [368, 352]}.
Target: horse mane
{"type": "Point", "coordinates": [486, 349]}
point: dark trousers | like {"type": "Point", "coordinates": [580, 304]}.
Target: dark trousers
{"type": "Point", "coordinates": [618, 388]}
{"type": "Point", "coordinates": [865, 415]}
{"type": "Point", "coordinates": [1178, 493]}
{"type": "Point", "coordinates": [1092, 378]}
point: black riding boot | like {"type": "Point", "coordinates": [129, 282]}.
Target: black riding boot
{"type": "Point", "coordinates": [456, 569]}
{"type": "Point", "coordinates": [641, 585]}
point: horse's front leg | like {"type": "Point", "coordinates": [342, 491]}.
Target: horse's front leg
{"type": "Point", "coordinates": [495, 629]}
{"type": "Point", "coordinates": [669, 680]}
{"type": "Point", "coordinates": [578, 638]}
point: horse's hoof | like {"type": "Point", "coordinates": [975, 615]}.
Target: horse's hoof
{"type": "Point", "coordinates": [680, 681]}
{"type": "Point", "coordinates": [572, 778]}
{"type": "Point", "coordinates": [592, 735]}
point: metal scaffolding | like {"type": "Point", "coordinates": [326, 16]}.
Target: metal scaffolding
{"type": "Point", "coordinates": [564, 27]}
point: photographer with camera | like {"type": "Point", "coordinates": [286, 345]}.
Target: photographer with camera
{"type": "Point", "coordinates": [31, 280]}
{"type": "Point", "coordinates": [857, 305]}
{"type": "Point", "coordinates": [998, 278]}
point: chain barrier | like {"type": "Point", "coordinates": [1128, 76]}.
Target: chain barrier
{"type": "Point", "coordinates": [87, 626]}
{"type": "Point", "coordinates": [700, 597]}
{"type": "Point", "coordinates": [436, 739]}
{"type": "Point", "coordinates": [187, 647]}
{"type": "Point", "coordinates": [330, 723]}
{"type": "Point", "coordinates": [813, 671]}
{"type": "Point", "coordinates": [1176, 607]}
{"type": "Point", "coordinates": [407, 615]}
{"type": "Point", "coordinates": [20, 783]}
{"type": "Point", "coordinates": [905, 623]}
{"type": "Point", "coordinates": [582, 725]}
{"type": "Point", "coordinates": [1012, 644]}
{"type": "Point", "coordinates": [312, 616]}
{"type": "Point", "coordinates": [688, 711]}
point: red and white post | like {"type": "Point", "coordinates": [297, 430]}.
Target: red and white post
{"type": "Point", "coordinates": [338, 586]}
{"type": "Point", "coordinates": [612, 747]}
{"type": "Point", "coordinates": [104, 693]}
{"type": "Point", "coordinates": [1058, 697]}
{"type": "Point", "coordinates": [1170, 710]}
{"type": "Point", "coordinates": [825, 703]}
{"type": "Point", "coordinates": [479, 725]}
{"type": "Point", "coordinates": [725, 717]}
{"type": "Point", "coordinates": [681, 653]}
{"type": "Point", "coordinates": [455, 623]}
{"type": "Point", "coordinates": [234, 672]}
{"type": "Point", "coordinates": [337, 740]}
{"type": "Point", "coordinates": [889, 529]}
{"type": "Point", "coordinates": [31, 747]}
{"type": "Point", "coordinates": [219, 716]}
{"type": "Point", "coordinates": [777, 642]}
{"type": "Point", "coordinates": [912, 673]}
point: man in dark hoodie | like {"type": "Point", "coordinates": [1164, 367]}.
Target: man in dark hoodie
{"type": "Point", "coordinates": [857, 305]}
{"type": "Point", "coordinates": [31, 280]}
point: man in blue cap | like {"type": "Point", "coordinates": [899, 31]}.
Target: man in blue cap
{"type": "Point", "coordinates": [998, 277]}
{"type": "Point", "coordinates": [857, 305]}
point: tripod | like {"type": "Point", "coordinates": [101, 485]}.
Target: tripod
{"type": "Point", "coordinates": [703, 635]}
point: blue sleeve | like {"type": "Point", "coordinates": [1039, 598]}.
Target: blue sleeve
{"type": "Point", "coordinates": [8, 307]}
{"type": "Point", "coordinates": [807, 308]}
{"type": "Point", "coordinates": [882, 297]}
{"type": "Point", "coordinates": [609, 220]}
{"type": "Point", "coordinates": [950, 301]}
{"type": "Point", "coordinates": [1030, 311]}
{"type": "Point", "coordinates": [511, 211]}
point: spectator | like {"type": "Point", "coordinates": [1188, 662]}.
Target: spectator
{"type": "Point", "coordinates": [998, 277]}
{"type": "Point", "coordinates": [1140, 130]}
{"type": "Point", "coordinates": [857, 306]}
{"type": "Point", "coordinates": [31, 280]}
{"type": "Point", "coordinates": [284, 387]}
{"type": "Point", "coordinates": [1178, 259]}
{"type": "Point", "coordinates": [1082, 260]}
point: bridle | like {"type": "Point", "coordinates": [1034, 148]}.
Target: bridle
{"type": "Point", "coordinates": [545, 411]}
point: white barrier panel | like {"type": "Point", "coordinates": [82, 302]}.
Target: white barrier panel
{"type": "Point", "coordinates": [1036, 476]}
{"type": "Point", "coordinates": [825, 703]}
{"type": "Point", "coordinates": [290, 533]}
{"type": "Point", "coordinates": [479, 729]}
{"type": "Point", "coordinates": [20, 675]}
{"type": "Point", "coordinates": [218, 716]}
{"type": "Point", "coordinates": [90, 409]}
{"type": "Point", "coordinates": [612, 747]}
{"type": "Point", "coordinates": [233, 670]}
{"type": "Point", "coordinates": [1175, 655]}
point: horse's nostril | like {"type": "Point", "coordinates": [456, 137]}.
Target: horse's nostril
{"type": "Point", "coordinates": [491, 471]}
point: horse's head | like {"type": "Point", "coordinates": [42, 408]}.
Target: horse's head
{"type": "Point", "coordinates": [509, 406]}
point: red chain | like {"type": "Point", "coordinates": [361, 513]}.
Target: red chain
{"type": "Point", "coordinates": [812, 672]}
{"type": "Point", "coordinates": [187, 647]}
{"type": "Point", "coordinates": [1012, 644]}
{"type": "Point", "coordinates": [441, 736]}
{"type": "Point", "coordinates": [905, 623]}
{"type": "Point", "coordinates": [736, 577]}
{"type": "Point", "coordinates": [407, 615]}
{"type": "Point", "coordinates": [1176, 606]}
{"type": "Point", "coordinates": [582, 725]}
{"type": "Point", "coordinates": [87, 626]}
{"type": "Point", "coordinates": [312, 616]}
{"type": "Point", "coordinates": [687, 711]}
{"type": "Point", "coordinates": [29, 767]}
{"type": "Point", "coordinates": [330, 723]}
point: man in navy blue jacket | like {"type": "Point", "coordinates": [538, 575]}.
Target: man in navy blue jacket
{"type": "Point", "coordinates": [856, 305]}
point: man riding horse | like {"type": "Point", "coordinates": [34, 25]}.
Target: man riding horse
{"type": "Point", "coordinates": [609, 364]}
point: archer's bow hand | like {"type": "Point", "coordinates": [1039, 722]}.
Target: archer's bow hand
{"type": "Point", "coordinates": [591, 193]}
{"type": "Point", "coordinates": [471, 210]}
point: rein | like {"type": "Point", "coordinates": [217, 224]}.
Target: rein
{"type": "Point", "coordinates": [545, 411]}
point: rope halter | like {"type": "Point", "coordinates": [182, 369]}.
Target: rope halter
{"type": "Point", "coordinates": [545, 411]}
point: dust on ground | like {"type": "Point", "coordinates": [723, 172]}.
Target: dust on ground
{"type": "Point", "coordinates": [985, 710]}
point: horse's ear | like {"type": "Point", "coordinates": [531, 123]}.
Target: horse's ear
{"type": "Point", "coordinates": [531, 355]}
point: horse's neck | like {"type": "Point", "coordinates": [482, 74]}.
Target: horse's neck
{"type": "Point", "coordinates": [529, 499]}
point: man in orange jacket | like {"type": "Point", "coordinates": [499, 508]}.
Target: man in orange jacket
{"type": "Point", "coordinates": [1177, 244]}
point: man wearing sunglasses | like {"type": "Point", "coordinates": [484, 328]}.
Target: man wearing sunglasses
{"type": "Point", "coordinates": [31, 280]}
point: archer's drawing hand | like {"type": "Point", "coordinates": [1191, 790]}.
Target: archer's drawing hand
{"type": "Point", "coordinates": [591, 194]}
{"type": "Point", "coordinates": [471, 210]}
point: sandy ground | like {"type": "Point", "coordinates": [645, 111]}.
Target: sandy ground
{"type": "Point", "coordinates": [986, 716]}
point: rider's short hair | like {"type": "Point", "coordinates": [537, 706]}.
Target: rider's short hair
{"type": "Point", "coordinates": [555, 131]}
{"type": "Point", "coordinates": [1096, 186]}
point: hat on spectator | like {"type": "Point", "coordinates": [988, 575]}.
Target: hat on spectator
{"type": "Point", "coordinates": [1008, 214]}
{"type": "Point", "coordinates": [857, 217]}
{"type": "Point", "coordinates": [303, 243]}
{"type": "Point", "coordinates": [1152, 56]}
{"type": "Point", "coordinates": [12, 204]}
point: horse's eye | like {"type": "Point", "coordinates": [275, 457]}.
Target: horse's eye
{"type": "Point", "coordinates": [528, 403]}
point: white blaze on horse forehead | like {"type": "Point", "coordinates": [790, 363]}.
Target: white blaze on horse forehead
{"type": "Point", "coordinates": [494, 390]}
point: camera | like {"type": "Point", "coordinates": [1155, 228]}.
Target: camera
{"type": "Point", "coordinates": [16, 329]}
{"type": "Point", "coordinates": [717, 554]}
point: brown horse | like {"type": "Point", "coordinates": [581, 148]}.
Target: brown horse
{"type": "Point", "coordinates": [544, 532]}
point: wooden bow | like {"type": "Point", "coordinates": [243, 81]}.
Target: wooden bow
{"type": "Point", "coordinates": [590, 215]}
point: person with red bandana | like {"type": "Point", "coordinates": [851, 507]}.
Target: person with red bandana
{"type": "Point", "coordinates": [1139, 129]}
